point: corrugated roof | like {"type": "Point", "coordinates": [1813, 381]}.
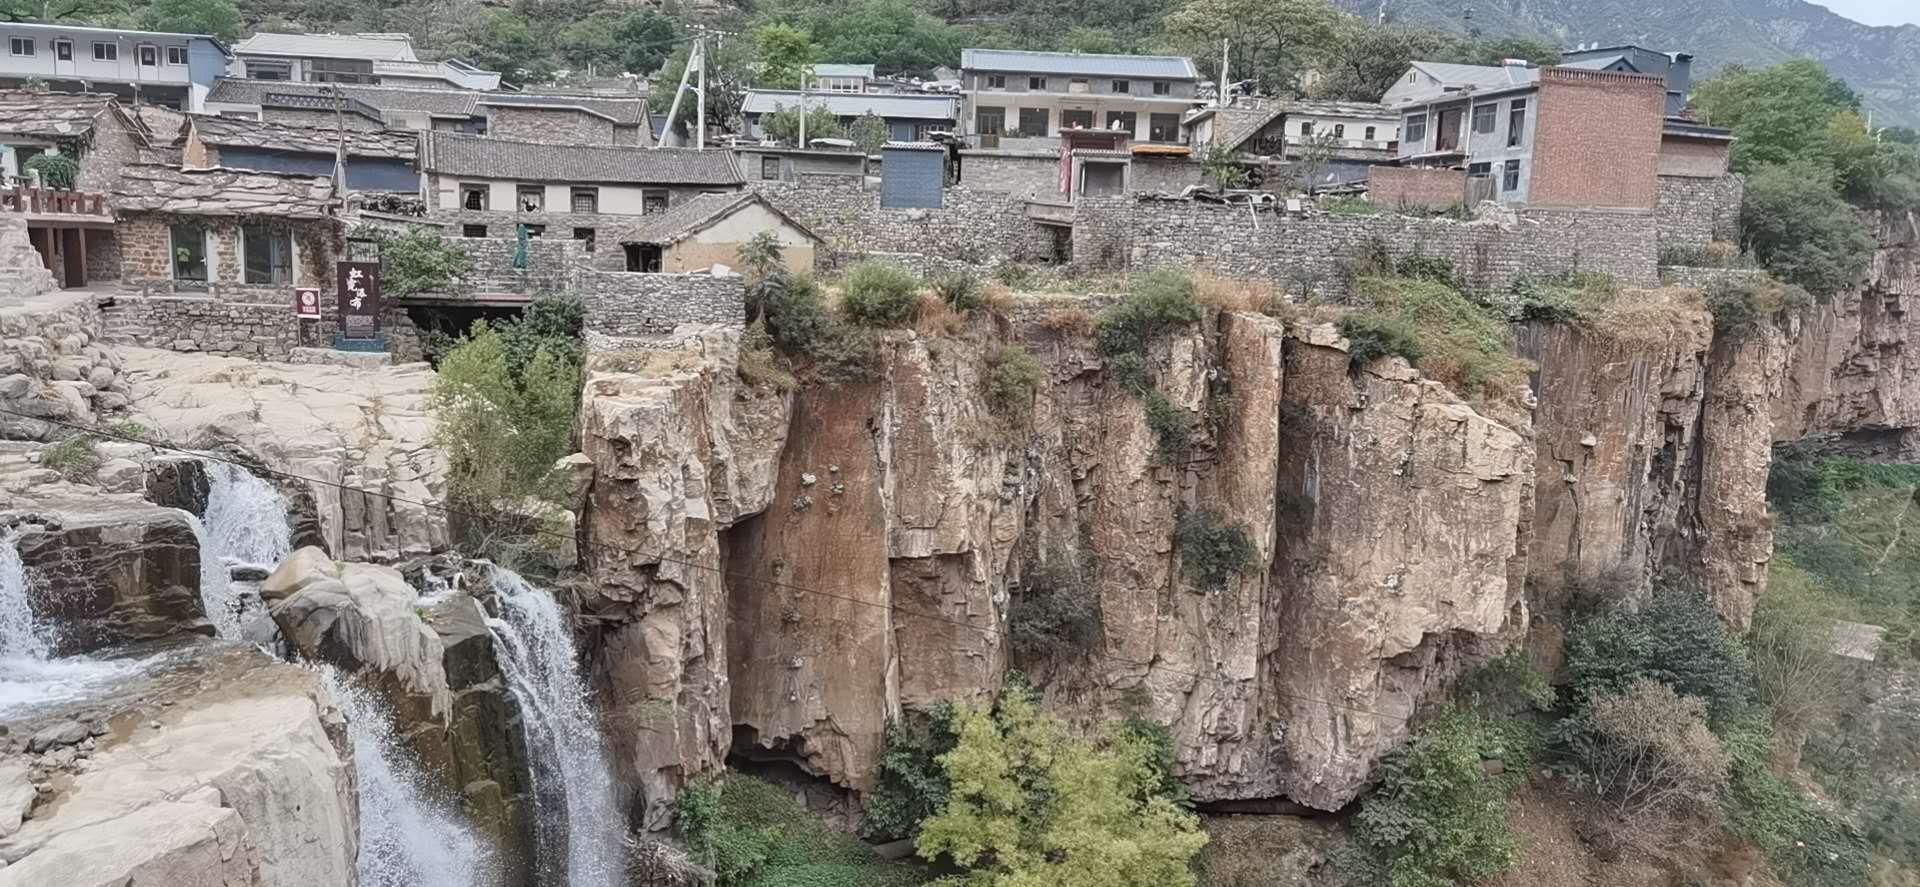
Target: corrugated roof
{"type": "Point", "coordinates": [221, 192]}
{"type": "Point", "coordinates": [854, 104]}
{"type": "Point", "coordinates": [241, 132]}
{"type": "Point", "coordinates": [831, 70]}
{"type": "Point", "coordinates": [1163, 67]}
{"type": "Point", "coordinates": [623, 111]}
{"type": "Point", "coordinates": [57, 116]}
{"type": "Point", "coordinates": [377, 47]}
{"type": "Point", "coordinates": [695, 214]}
{"type": "Point", "coordinates": [482, 157]}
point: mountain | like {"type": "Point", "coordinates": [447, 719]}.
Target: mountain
{"type": "Point", "coordinates": [1882, 63]}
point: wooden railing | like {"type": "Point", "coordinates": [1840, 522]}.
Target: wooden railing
{"type": "Point", "coordinates": [26, 199]}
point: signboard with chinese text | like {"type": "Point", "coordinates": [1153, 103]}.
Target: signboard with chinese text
{"type": "Point", "coordinates": [359, 292]}
{"type": "Point", "coordinates": [306, 303]}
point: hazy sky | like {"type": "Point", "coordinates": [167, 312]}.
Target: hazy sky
{"type": "Point", "coordinates": [1876, 12]}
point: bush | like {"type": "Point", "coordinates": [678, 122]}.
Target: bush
{"type": "Point", "coordinates": [1649, 751]}
{"type": "Point", "coordinates": [752, 833]}
{"type": "Point", "coordinates": [1172, 436]}
{"type": "Point", "coordinates": [800, 325]}
{"type": "Point", "coordinates": [552, 323]}
{"type": "Point", "coordinates": [1438, 818]}
{"type": "Point", "coordinates": [57, 170]}
{"type": "Point", "coordinates": [959, 289]}
{"type": "Point", "coordinates": [1371, 337]}
{"type": "Point", "coordinates": [420, 261]}
{"type": "Point", "coordinates": [1349, 206]}
{"type": "Point", "coordinates": [760, 257]}
{"type": "Point", "coordinates": [74, 458]}
{"type": "Point", "coordinates": [909, 784]}
{"type": "Point", "coordinates": [1676, 639]}
{"type": "Point", "coordinates": [1055, 613]}
{"type": "Point", "coordinates": [1211, 550]}
{"type": "Point", "coordinates": [1012, 378]}
{"type": "Point", "coordinates": [503, 432]}
{"type": "Point", "coordinates": [1796, 225]}
{"type": "Point", "coordinates": [1421, 267]}
{"type": "Point", "coordinates": [879, 294]}
{"type": "Point", "coordinates": [1159, 303]}
{"type": "Point", "coordinates": [1505, 684]}
{"type": "Point", "coordinates": [1741, 305]}
{"type": "Point", "coordinates": [1572, 298]}
{"type": "Point", "coordinates": [1459, 342]}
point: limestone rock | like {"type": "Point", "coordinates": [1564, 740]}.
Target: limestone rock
{"type": "Point", "coordinates": [121, 476]}
{"type": "Point", "coordinates": [115, 573]}
{"type": "Point", "coordinates": [16, 797]}
{"type": "Point", "coordinates": [358, 616]}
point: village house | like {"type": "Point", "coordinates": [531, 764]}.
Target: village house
{"type": "Point", "coordinates": [364, 59]}
{"type": "Point", "coordinates": [841, 78]}
{"type": "Point", "coordinates": [72, 229]}
{"type": "Point", "coordinates": [706, 231]}
{"type": "Point", "coordinates": [1554, 136]}
{"type": "Point", "coordinates": [909, 117]}
{"type": "Point", "coordinates": [779, 163]}
{"type": "Point", "coordinates": [231, 233]}
{"type": "Point", "coordinates": [583, 119]}
{"type": "Point", "coordinates": [375, 161]}
{"type": "Point", "coordinates": [176, 70]}
{"type": "Point", "coordinates": [487, 187]}
{"type": "Point", "coordinates": [1332, 143]}
{"type": "Point", "coordinates": [1674, 67]}
{"type": "Point", "coordinates": [1016, 99]}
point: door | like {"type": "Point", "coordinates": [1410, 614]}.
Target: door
{"type": "Point", "coordinates": [1447, 138]}
{"type": "Point", "coordinates": [73, 254]}
{"type": "Point", "coordinates": [1103, 179]}
{"type": "Point", "coordinates": [63, 65]}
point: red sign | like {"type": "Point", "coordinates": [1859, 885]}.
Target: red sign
{"type": "Point", "coordinates": [359, 292]}
{"type": "Point", "coordinates": [306, 303]}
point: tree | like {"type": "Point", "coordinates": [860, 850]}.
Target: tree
{"type": "Point", "coordinates": [638, 43]}
{"type": "Point", "coordinates": [893, 35]}
{"type": "Point", "coordinates": [783, 124]}
{"type": "Point", "coordinates": [503, 432]}
{"type": "Point", "coordinates": [729, 68]}
{"type": "Point", "coordinates": [56, 10]}
{"type": "Point", "coordinates": [782, 54]}
{"type": "Point", "coordinates": [1796, 224]}
{"type": "Point", "coordinates": [1651, 751]}
{"type": "Point", "coordinates": [1438, 817]}
{"type": "Point", "coordinates": [218, 18]}
{"type": "Point", "coordinates": [1778, 114]}
{"type": "Point", "coordinates": [1270, 41]}
{"type": "Point", "coordinates": [869, 132]}
{"type": "Point", "coordinates": [1368, 59]}
{"type": "Point", "coordinates": [1030, 804]}
{"type": "Point", "coordinates": [499, 40]}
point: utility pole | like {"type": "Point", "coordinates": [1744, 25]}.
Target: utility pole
{"type": "Point", "coordinates": [1221, 98]}
{"type": "Point", "coordinates": [674, 109]}
{"type": "Point", "coordinates": [700, 97]}
{"type": "Point", "coordinates": [803, 108]}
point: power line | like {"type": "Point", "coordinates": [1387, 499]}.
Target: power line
{"type": "Point", "coordinates": [663, 558]}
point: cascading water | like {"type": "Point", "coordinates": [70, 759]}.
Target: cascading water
{"type": "Point", "coordinates": [245, 523]}
{"type": "Point", "coordinates": [572, 779]}
{"type": "Point", "coordinates": [19, 632]}
{"type": "Point", "coordinates": [29, 679]}
{"type": "Point", "coordinates": [407, 837]}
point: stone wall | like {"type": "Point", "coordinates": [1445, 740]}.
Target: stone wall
{"type": "Point", "coordinates": [255, 330]}
{"type": "Point", "coordinates": [1027, 173]}
{"type": "Point", "coordinates": [973, 227]}
{"type": "Point", "coordinates": [633, 304]}
{"type": "Point", "coordinates": [146, 255]}
{"type": "Point", "coordinates": [53, 366]}
{"type": "Point", "coordinates": [1393, 186]}
{"type": "Point", "coordinates": [1694, 212]}
{"type": "Point", "coordinates": [1312, 253]}
{"type": "Point", "coordinates": [111, 146]}
{"type": "Point", "coordinates": [22, 272]}
{"type": "Point", "coordinates": [551, 262]}
{"type": "Point", "coordinates": [1168, 175]}
{"type": "Point", "coordinates": [559, 126]}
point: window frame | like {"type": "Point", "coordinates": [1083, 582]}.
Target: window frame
{"type": "Point", "coordinates": [106, 51]}
{"type": "Point", "coordinates": [484, 190]}
{"type": "Point", "coordinates": [1516, 122]}
{"type": "Point", "coordinates": [996, 81]}
{"type": "Point", "coordinates": [62, 49]}
{"type": "Point", "coordinates": [1036, 84]}
{"type": "Point", "coordinates": [1092, 118]}
{"type": "Point", "coordinates": [1132, 119]}
{"type": "Point", "coordinates": [522, 192]}
{"type": "Point", "coordinates": [1483, 124]}
{"type": "Point", "coordinates": [1370, 134]}
{"type": "Point", "coordinates": [651, 197]}
{"type": "Point", "coordinates": [1510, 177]}
{"type": "Point", "coordinates": [1413, 130]}
{"type": "Point", "coordinates": [1046, 121]}
{"type": "Point", "coordinates": [173, 253]}
{"type": "Point", "coordinates": [16, 44]}
{"type": "Point", "coordinates": [591, 238]}
{"type": "Point", "coordinates": [179, 52]}
{"type": "Point", "coordinates": [983, 113]}
{"type": "Point", "coordinates": [1339, 130]}
{"type": "Point", "coordinates": [146, 55]}
{"type": "Point", "coordinates": [1168, 124]}
{"type": "Point", "coordinates": [1306, 129]}
{"type": "Point", "coordinates": [1122, 87]}
{"type": "Point", "coordinates": [468, 230]}
{"type": "Point", "coordinates": [279, 260]}
{"type": "Point", "coordinates": [766, 159]}
{"type": "Point", "coordinates": [578, 191]}
{"type": "Point", "coordinates": [1162, 87]}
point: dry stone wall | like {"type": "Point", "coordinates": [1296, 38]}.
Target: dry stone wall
{"type": "Point", "coordinates": [620, 303]}
{"type": "Point", "coordinates": [975, 227]}
{"type": "Point", "coordinates": [1694, 212]}
{"type": "Point", "coordinates": [54, 366]}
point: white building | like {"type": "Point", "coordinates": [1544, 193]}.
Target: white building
{"type": "Point", "coordinates": [160, 68]}
{"type": "Point", "coordinates": [1037, 94]}
{"type": "Point", "coordinates": [366, 59]}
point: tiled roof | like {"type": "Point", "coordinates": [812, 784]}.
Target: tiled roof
{"type": "Point", "coordinates": [481, 157]}
{"type": "Point", "coordinates": [51, 115]}
{"type": "Point", "coordinates": [623, 111]}
{"type": "Point", "coordinates": [1480, 76]}
{"type": "Point", "coordinates": [843, 71]}
{"type": "Point", "coordinates": [165, 124]}
{"type": "Point", "coordinates": [241, 132]}
{"type": "Point", "coordinates": [1339, 109]}
{"type": "Point", "coordinates": [445, 102]}
{"type": "Point", "coordinates": [221, 192]}
{"type": "Point", "coordinates": [378, 47]}
{"type": "Point", "coordinates": [854, 104]}
{"type": "Point", "coordinates": [695, 214]}
{"type": "Point", "coordinates": [1164, 67]}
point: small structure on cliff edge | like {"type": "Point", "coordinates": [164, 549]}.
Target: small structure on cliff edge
{"type": "Point", "coordinates": [709, 230]}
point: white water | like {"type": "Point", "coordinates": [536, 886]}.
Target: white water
{"type": "Point", "coordinates": [407, 837]}
{"type": "Point", "coordinates": [572, 779]}
{"type": "Point", "coordinates": [20, 636]}
{"type": "Point", "coordinates": [246, 523]}
{"type": "Point", "coordinates": [29, 680]}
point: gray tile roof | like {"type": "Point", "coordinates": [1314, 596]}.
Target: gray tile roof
{"type": "Point", "coordinates": [623, 111]}
{"type": "Point", "coordinates": [694, 214]}
{"type": "Point", "coordinates": [1340, 109]}
{"type": "Point", "coordinates": [854, 104]}
{"type": "Point", "coordinates": [1480, 76]}
{"type": "Point", "coordinates": [445, 102]}
{"type": "Point", "coordinates": [378, 47]}
{"type": "Point", "coordinates": [831, 70]}
{"type": "Point", "coordinates": [221, 192]}
{"type": "Point", "coordinates": [482, 157]}
{"type": "Point", "coordinates": [1159, 67]}
{"type": "Point", "coordinates": [58, 116]}
{"type": "Point", "coordinates": [241, 132]}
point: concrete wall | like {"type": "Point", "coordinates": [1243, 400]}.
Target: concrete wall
{"type": "Point", "coordinates": [1693, 212]}
{"type": "Point", "coordinates": [1398, 186]}
{"type": "Point", "coordinates": [623, 304]}
{"type": "Point", "coordinates": [1598, 142]}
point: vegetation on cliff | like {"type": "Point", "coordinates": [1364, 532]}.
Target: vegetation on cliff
{"type": "Point", "coordinates": [753, 833]}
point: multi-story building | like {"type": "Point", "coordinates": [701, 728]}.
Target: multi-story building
{"type": "Point", "coordinates": [1675, 67]}
{"type": "Point", "coordinates": [364, 59]}
{"type": "Point", "coordinates": [567, 119]}
{"type": "Point", "coordinates": [909, 117]}
{"type": "Point", "coordinates": [841, 78]}
{"type": "Point", "coordinates": [1014, 98]}
{"type": "Point", "coordinates": [175, 70]}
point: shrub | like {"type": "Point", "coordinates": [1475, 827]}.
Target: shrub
{"type": "Point", "coordinates": [1371, 337]}
{"type": "Point", "coordinates": [1350, 206]}
{"type": "Point", "coordinates": [1012, 378]}
{"type": "Point", "coordinates": [1798, 227]}
{"type": "Point", "coordinates": [752, 833]}
{"type": "Point", "coordinates": [909, 784]}
{"type": "Point", "coordinates": [1804, 844]}
{"type": "Point", "coordinates": [552, 323]}
{"type": "Point", "coordinates": [1572, 298]}
{"type": "Point", "coordinates": [878, 294]}
{"type": "Point", "coordinates": [1676, 639]}
{"type": "Point", "coordinates": [1172, 436]}
{"type": "Point", "coordinates": [57, 170]}
{"type": "Point", "coordinates": [74, 458]}
{"type": "Point", "coordinates": [1741, 305]}
{"type": "Point", "coordinates": [1505, 684]}
{"type": "Point", "coordinates": [1650, 751]}
{"type": "Point", "coordinates": [503, 433]}
{"type": "Point", "coordinates": [1211, 550]}
{"type": "Point", "coordinates": [959, 289]}
{"type": "Point", "coordinates": [760, 365]}
{"type": "Point", "coordinates": [760, 257]}
{"type": "Point", "coordinates": [1459, 342]}
{"type": "Point", "coordinates": [800, 324]}
{"type": "Point", "coordinates": [1438, 817]}
{"type": "Point", "coordinates": [1421, 267]}
{"type": "Point", "coordinates": [1013, 274]}
{"type": "Point", "coordinates": [420, 261]}
{"type": "Point", "coordinates": [1033, 804]}
{"type": "Point", "coordinates": [1055, 613]}
{"type": "Point", "coordinates": [1159, 303]}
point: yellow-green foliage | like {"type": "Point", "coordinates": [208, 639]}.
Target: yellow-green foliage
{"type": "Point", "coordinates": [502, 433]}
{"type": "Point", "coordinates": [1458, 341]}
{"type": "Point", "coordinates": [1031, 804]}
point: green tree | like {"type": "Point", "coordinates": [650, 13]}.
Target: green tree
{"type": "Point", "coordinates": [1778, 114]}
{"type": "Point", "coordinates": [1439, 818]}
{"type": "Point", "coordinates": [638, 43]}
{"type": "Point", "coordinates": [729, 69]}
{"type": "Point", "coordinates": [502, 433]}
{"type": "Point", "coordinates": [218, 18]}
{"type": "Point", "coordinates": [869, 132]}
{"type": "Point", "coordinates": [499, 40]}
{"type": "Point", "coordinates": [1367, 59]}
{"type": "Point", "coordinates": [57, 10]}
{"type": "Point", "coordinates": [893, 35]}
{"type": "Point", "coordinates": [1796, 224]}
{"type": "Point", "coordinates": [1029, 804]}
{"type": "Point", "coordinates": [1272, 42]}
{"type": "Point", "coordinates": [782, 54]}
{"type": "Point", "coordinates": [783, 124]}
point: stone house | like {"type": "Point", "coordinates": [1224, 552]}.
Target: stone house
{"type": "Point", "coordinates": [1337, 141]}
{"type": "Point", "coordinates": [232, 234]}
{"type": "Point", "coordinates": [73, 231]}
{"type": "Point", "coordinates": [488, 187]}
{"type": "Point", "coordinates": [773, 163]}
{"type": "Point", "coordinates": [909, 117]}
{"type": "Point", "coordinates": [584, 119]}
{"type": "Point", "coordinates": [370, 59]}
{"type": "Point", "coordinates": [375, 160]}
{"type": "Point", "coordinates": [705, 231]}
{"type": "Point", "coordinates": [1554, 136]}
{"type": "Point", "coordinates": [1018, 100]}
{"type": "Point", "coordinates": [176, 70]}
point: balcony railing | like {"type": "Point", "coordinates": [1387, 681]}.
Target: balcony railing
{"type": "Point", "coordinates": [50, 201]}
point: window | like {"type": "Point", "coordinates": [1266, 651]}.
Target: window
{"type": "Point", "coordinates": [642, 257]}
{"type": "Point", "coordinates": [473, 196]}
{"type": "Point", "coordinates": [584, 235]}
{"type": "Point", "coordinates": [20, 45]}
{"type": "Point", "coordinates": [990, 121]}
{"type": "Point", "coordinates": [269, 70]}
{"type": "Point", "coordinates": [1033, 121]}
{"type": "Point", "coordinates": [106, 52]}
{"type": "Point", "coordinates": [530, 198]}
{"type": "Point", "coordinates": [996, 81]}
{"type": "Point", "coordinates": [269, 255]}
{"type": "Point", "coordinates": [1517, 123]}
{"type": "Point", "coordinates": [1511, 181]}
{"type": "Point", "coordinates": [1339, 130]}
{"type": "Point", "coordinates": [63, 50]}
{"type": "Point", "coordinates": [1162, 87]}
{"type": "Point", "coordinates": [652, 201]}
{"type": "Point", "coordinates": [339, 71]}
{"type": "Point", "coordinates": [770, 169]}
{"type": "Point", "coordinates": [1370, 133]}
{"type": "Point", "coordinates": [1483, 119]}
{"type": "Point", "coordinates": [1480, 169]}
{"type": "Point", "coordinates": [1122, 87]}
{"type": "Point", "coordinates": [1076, 119]}
{"type": "Point", "coordinates": [1306, 127]}
{"type": "Point", "coordinates": [189, 252]}
{"type": "Point", "coordinates": [1163, 127]}
{"type": "Point", "coordinates": [586, 200]}
{"type": "Point", "coordinates": [1121, 121]}
{"type": "Point", "coordinates": [473, 230]}
{"type": "Point", "coordinates": [176, 55]}
{"type": "Point", "coordinates": [149, 56]}
{"type": "Point", "coordinates": [535, 230]}
{"type": "Point", "coordinates": [1037, 84]}
{"type": "Point", "coordinates": [1415, 131]}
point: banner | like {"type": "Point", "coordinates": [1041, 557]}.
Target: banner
{"type": "Point", "coordinates": [359, 300]}
{"type": "Point", "coordinates": [306, 303]}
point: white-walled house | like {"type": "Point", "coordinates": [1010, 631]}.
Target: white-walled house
{"type": "Point", "coordinates": [154, 67]}
{"type": "Point", "coordinates": [1037, 94]}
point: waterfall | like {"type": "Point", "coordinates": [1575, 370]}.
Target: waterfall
{"type": "Point", "coordinates": [29, 678]}
{"type": "Point", "coordinates": [245, 523]}
{"type": "Point", "coordinates": [572, 780]}
{"type": "Point", "coordinates": [20, 636]}
{"type": "Point", "coordinates": [407, 837]}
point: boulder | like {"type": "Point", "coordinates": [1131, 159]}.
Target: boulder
{"type": "Point", "coordinates": [125, 572]}
{"type": "Point", "coordinates": [360, 617]}
{"type": "Point", "coordinates": [121, 476]}
{"type": "Point", "coordinates": [16, 797]}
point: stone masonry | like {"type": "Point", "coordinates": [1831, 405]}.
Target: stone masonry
{"type": "Point", "coordinates": [974, 227]}
{"type": "Point", "coordinates": [1693, 212]}
{"type": "Point", "coordinates": [623, 304]}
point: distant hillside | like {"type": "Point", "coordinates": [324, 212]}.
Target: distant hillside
{"type": "Point", "coordinates": [1882, 63]}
